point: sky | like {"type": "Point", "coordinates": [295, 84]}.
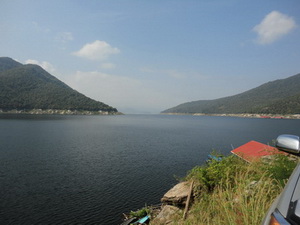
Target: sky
{"type": "Point", "coordinates": [143, 56]}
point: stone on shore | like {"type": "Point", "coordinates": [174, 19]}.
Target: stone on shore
{"type": "Point", "coordinates": [177, 195]}
{"type": "Point", "coordinates": [165, 216]}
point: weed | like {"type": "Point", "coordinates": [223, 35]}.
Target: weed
{"type": "Point", "coordinates": [232, 191]}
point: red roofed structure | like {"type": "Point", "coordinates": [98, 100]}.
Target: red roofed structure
{"type": "Point", "coordinates": [254, 150]}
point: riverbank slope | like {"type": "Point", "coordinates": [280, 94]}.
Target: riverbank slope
{"type": "Point", "coordinates": [230, 191]}
{"type": "Point", "coordinates": [245, 115]}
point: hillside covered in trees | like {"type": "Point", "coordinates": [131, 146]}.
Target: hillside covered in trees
{"type": "Point", "coordinates": [27, 87]}
{"type": "Point", "coordinates": [275, 97]}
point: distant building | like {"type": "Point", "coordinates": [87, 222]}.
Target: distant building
{"type": "Point", "coordinates": [254, 150]}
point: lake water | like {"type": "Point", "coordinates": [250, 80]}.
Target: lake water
{"type": "Point", "coordinates": [91, 169]}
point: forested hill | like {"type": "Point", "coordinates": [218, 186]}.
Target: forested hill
{"type": "Point", "coordinates": [7, 63]}
{"type": "Point", "coordinates": [27, 87]}
{"type": "Point", "coordinates": [275, 97]}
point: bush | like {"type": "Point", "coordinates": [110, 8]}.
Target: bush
{"type": "Point", "coordinates": [207, 177]}
{"type": "Point", "coordinates": [280, 168]}
{"type": "Point", "coordinates": [232, 191]}
{"type": "Point", "coordinates": [140, 213]}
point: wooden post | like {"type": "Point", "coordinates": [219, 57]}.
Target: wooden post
{"type": "Point", "coordinates": [188, 201]}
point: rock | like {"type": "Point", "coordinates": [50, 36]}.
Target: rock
{"type": "Point", "coordinates": [177, 195]}
{"type": "Point", "coordinates": [165, 215]}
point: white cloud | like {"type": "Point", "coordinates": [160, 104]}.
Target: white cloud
{"type": "Point", "coordinates": [125, 93]}
{"type": "Point", "coordinates": [45, 65]}
{"type": "Point", "coordinates": [170, 72]}
{"type": "Point", "coordinates": [98, 50]}
{"type": "Point", "coordinates": [108, 66]}
{"type": "Point", "coordinates": [174, 74]}
{"type": "Point", "coordinates": [274, 26]}
{"type": "Point", "coordinates": [36, 26]}
{"type": "Point", "coordinates": [64, 37]}
{"type": "Point", "coordinates": [147, 70]}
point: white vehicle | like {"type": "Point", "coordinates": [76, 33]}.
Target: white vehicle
{"type": "Point", "coordinates": [286, 208]}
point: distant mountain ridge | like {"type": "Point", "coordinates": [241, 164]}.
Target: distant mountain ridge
{"type": "Point", "coordinates": [27, 87]}
{"type": "Point", "coordinates": [8, 63]}
{"type": "Point", "coordinates": [275, 97]}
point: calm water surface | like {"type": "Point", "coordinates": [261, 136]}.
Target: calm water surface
{"type": "Point", "coordinates": [91, 169]}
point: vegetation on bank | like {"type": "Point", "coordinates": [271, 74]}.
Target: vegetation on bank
{"type": "Point", "coordinates": [232, 191]}
{"type": "Point", "coordinates": [243, 115]}
{"type": "Point", "coordinates": [58, 112]}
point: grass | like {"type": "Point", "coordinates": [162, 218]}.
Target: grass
{"type": "Point", "coordinates": [140, 213]}
{"type": "Point", "coordinates": [232, 191]}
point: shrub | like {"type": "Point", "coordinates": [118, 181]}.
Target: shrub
{"type": "Point", "coordinates": [140, 213]}
{"type": "Point", "coordinates": [232, 191]}
{"type": "Point", "coordinates": [208, 176]}
{"type": "Point", "coordinates": [280, 168]}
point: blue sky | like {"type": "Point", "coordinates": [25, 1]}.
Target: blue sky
{"type": "Point", "coordinates": [144, 56]}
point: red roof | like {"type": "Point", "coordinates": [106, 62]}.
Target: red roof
{"type": "Point", "coordinates": [254, 150]}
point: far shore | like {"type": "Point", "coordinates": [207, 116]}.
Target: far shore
{"type": "Point", "coordinates": [245, 115]}
{"type": "Point", "coordinates": [58, 112]}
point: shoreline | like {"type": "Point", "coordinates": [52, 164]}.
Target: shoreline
{"type": "Point", "coordinates": [58, 112]}
{"type": "Point", "coordinates": [243, 115]}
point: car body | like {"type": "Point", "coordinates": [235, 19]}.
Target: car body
{"type": "Point", "coordinates": [286, 208]}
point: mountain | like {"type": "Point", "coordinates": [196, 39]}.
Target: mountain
{"type": "Point", "coordinates": [8, 63]}
{"type": "Point", "coordinates": [27, 87]}
{"type": "Point", "coordinates": [279, 96]}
